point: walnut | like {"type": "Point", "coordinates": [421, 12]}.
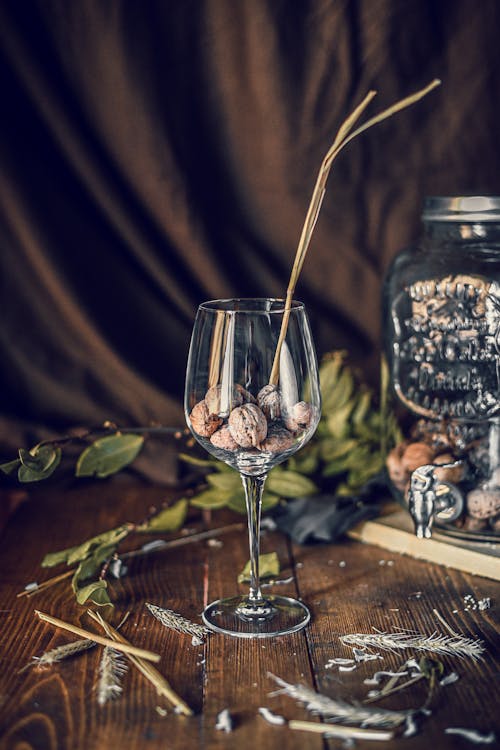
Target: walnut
{"type": "Point", "coordinates": [300, 416]}
{"type": "Point", "coordinates": [248, 425]}
{"type": "Point", "coordinates": [269, 400]}
{"type": "Point", "coordinates": [495, 524]}
{"type": "Point", "coordinates": [453, 474]}
{"type": "Point", "coordinates": [475, 524]}
{"type": "Point", "coordinates": [202, 422]}
{"type": "Point", "coordinates": [415, 455]}
{"type": "Point", "coordinates": [483, 503]}
{"type": "Point", "coordinates": [246, 396]}
{"type": "Point", "coordinates": [278, 440]}
{"type": "Point", "coordinates": [397, 473]}
{"type": "Point", "coordinates": [213, 400]}
{"type": "Point", "coordinates": [222, 438]}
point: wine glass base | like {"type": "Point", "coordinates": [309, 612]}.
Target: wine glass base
{"type": "Point", "coordinates": [234, 616]}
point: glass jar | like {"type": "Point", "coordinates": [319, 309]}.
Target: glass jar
{"type": "Point", "coordinates": [441, 323]}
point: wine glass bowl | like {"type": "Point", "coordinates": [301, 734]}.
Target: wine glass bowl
{"type": "Point", "coordinates": [252, 399]}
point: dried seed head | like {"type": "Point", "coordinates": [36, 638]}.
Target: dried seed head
{"type": "Point", "coordinates": [300, 416]}
{"type": "Point", "coordinates": [219, 403]}
{"type": "Point", "coordinates": [202, 422]}
{"type": "Point", "coordinates": [269, 400]}
{"type": "Point", "coordinates": [248, 425]}
{"type": "Point", "coordinates": [278, 440]}
{"type": "Point", "coordinates": [222, 438]}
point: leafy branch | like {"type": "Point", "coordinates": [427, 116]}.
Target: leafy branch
{"type": "Point", "coordinates": [90, 560]}
{"type": "Point", "coordinates": [342, 456]}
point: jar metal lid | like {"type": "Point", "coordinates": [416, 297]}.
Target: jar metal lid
{"type": "Point", "coordinates": [465, 208]}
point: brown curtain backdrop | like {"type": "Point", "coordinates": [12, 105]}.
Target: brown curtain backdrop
{"type": "Point", "coordinates": [156, 153]}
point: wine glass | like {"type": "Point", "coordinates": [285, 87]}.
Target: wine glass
{"type": "Point", "coordinates": [252, 399]}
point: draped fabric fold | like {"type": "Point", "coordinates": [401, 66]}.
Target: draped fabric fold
{"type": "Point", "coordinates": [158, 154]}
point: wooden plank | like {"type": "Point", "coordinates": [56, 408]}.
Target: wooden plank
{"type": "Point", "coordinates": [353, 588]}
{"type": "Point", "coordinates": [345, 585]}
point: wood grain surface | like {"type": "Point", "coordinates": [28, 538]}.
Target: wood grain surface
{"type": "Point", "coordinates": [350, 587]}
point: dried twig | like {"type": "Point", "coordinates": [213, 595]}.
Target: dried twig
{"type": "Point", "coordinates": [343, 137]}
{"type": "Point", "coordinates": [160, 683]}
{"type": "Point", "coordinates": [330, 730]}
{"type": "Point", "coordinates": [125, 647]}
{"type": "Point", "coordinates": [443, 622]}
{"type": "Point", "coordinates": [46, 584]}
{"type": "Point", "coordinates": [160, 544]}
{"type": "Point", "coordinates": [456, 645]}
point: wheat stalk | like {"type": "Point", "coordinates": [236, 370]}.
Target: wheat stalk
{"type": "Point", "coordinates": [343, 137]}
{"type": "Point", "coordinates": [177, 622]}
{"type": "Point", "coordinates": [456, 645]}
{"type": "Point", "coordinates": [338, 710]}
{"type": "Point", "coordinates": [112, 667]}
{"type": "Point", "coordinates": [159, 682]}
{"type": "Point", "coordinates": [59, 653]}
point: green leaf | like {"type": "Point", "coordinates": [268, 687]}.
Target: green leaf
{"type": "Point", "coordinates": [95, 592]}
{"type": "Point", "coordinates": [225, 482]}
{"type": "Point", "coordinates": [269, 500]}
{"type": "Point", "coordinates": [11, 466]}
{"type": "Point", "coordinates": [79, 553]}
{"type": "Point", "coordinates": [108, 455]}
{"type": "Point", "coordinates": [269, 567]}
{"type": "Point", "coordinates": [338, 421]}
{"type": "Point", "coordinates": [362, 407]}
{"type": "Point", "coordinates": [290, 484]}
{"type": "Point", "coordinates": [72, 555]}
{"type": "Point", "coordinates": [328, 377]}
{"type": "Point", "coordinates": [211, 499]}
{"type": "Point", "coordinates": [170, 519]}
{"type": "Point", "coordinates": [42, 465]}
{"type": "Point", "coordinates": [40, 458]}
{"type": "Point", "coordinates": [335, 467]}
{"type": "Point", "coordinates": [93, 563]}
{"type": "Point", "coordinates": [335, 448]}
{"type": "Point", "coordinates": [305, 461]}
{"type": "Point", "coordinates": [341, 394]}
{"type": "Point", "coordinates": [196, 461]}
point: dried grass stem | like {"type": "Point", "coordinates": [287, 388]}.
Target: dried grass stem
{"type": "Point", "coordinates": [343, 137]}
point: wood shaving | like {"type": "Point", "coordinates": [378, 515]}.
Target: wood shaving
{"type": "Point", "coordinates": [224, 721]}
{"type": "Point", "coordinates": [472, 735]}
{"type": "Point", "coordinates": [271, 717]}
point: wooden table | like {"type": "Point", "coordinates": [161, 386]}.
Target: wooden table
{"type": "Point", "coordinates": [349, 587]}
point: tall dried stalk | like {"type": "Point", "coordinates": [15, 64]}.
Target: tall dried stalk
{"type": "Point", "coordinates": [343, 137]}
{"type": "Point", "coordinates": [161, 685]}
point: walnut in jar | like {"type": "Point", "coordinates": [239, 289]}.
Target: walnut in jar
{"type": "Point", "coordinates": [202, 422]}
{"type": "Point", "coordinates": [248, 425]}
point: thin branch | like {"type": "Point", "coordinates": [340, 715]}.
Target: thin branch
{"type": "Point", "coordinates": [160, 683]}
{"type": "Point", "coordinates": [126, 648]}
{"type": "Point", "coordinates": [343, 137]}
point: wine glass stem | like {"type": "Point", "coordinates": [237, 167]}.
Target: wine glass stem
{"type": "Point", "coordinates": [254, 487]}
